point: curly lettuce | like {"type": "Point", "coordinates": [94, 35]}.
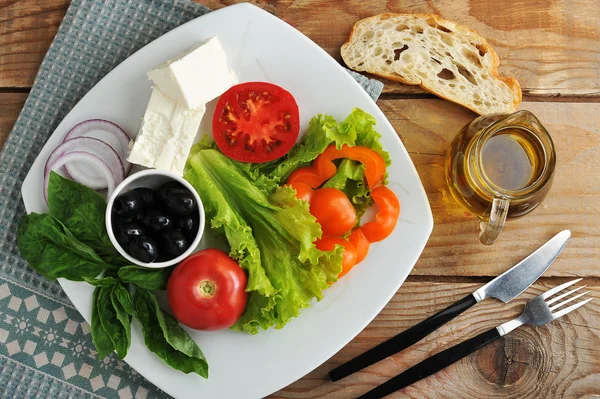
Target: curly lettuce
{"type": "Point", "coordinates": [270, 235]}
{"type": "Point", "coordinates": [270, 232]}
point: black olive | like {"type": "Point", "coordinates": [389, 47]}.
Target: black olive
{"type": "Point", "coordinates": [180, 202]}
{"type": "Point", "coordinates": [148, 196]}
{"type": "Point", "coordinates": [157, 221]}
{"type": "Point", "coordinates": [125, 219]}
{"type": "Point", "coordinates": [189, 225]}
{"type": "Point", "coordinates": [126, 232]}
{"type": "Point", "coordinates": [173, 242]}
{"type": "Point", "coordinates": [129, 203]}
{"type": "Point", "coordinates": [165, 188]}
{"type": "Point", "coordinates": [143, 249]}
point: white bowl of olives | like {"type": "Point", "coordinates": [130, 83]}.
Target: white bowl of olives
{"type": "Point", "coordinates": [155, 218]}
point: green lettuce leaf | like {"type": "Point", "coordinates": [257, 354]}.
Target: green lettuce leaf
{"type": "Point", "coordinates": [270, 235]}
{"type": "Point", "coordinates": [224, 215]}
{"type": "Point", "coordinates": [322, 131]}
{"type": "Point", "coordinates": [366, 135]}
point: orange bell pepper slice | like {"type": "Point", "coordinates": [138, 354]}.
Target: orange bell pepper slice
{"type": "Point", "coordinates": [361, 244]}
{"type": "Point", "coordinates": [328, 243]}
{"type": "Point", "coordinates": [323, 167]}
{"type": "Point", "coordinates": [386, 218]}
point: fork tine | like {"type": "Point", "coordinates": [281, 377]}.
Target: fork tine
{"type": "Point", "coordinates": [563, 312]}
{"type": "Point", "coordinates": [561, 287]}
{"type": "Point", "coordinates": [568, 300]}
{"type": "Point", "coordinates": [561, 296]}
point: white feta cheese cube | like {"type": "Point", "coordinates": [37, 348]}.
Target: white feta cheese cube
{"type": "Point", "coordinates": [167, 133]}
{"type": "Point", "coordinates": [197, 77]}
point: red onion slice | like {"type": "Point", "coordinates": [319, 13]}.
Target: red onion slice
{"type": "Point", "coordinates": [103, 130]}
{"type": "Point", "coordinates": [94, 147]}
{"type": "Point", "coordinates": [80, 156]}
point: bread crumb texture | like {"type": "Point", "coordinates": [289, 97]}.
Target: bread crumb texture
{"type": "Point", "coordinates": [443, 57]}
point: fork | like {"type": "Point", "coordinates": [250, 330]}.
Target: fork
{"type": "Point", "coordinates": [539, 311]}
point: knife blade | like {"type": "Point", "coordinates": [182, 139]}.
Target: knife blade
{"type": "Point", "coordinates": [515, 280]}
{"type": "Point", "coordinates": [505, 287]}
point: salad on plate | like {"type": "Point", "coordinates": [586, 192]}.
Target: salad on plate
{"type": "Point", "coordinates": [293, 216]}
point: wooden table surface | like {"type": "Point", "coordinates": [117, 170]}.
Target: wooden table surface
{"type": "Point", "coordinates": [553, 48]}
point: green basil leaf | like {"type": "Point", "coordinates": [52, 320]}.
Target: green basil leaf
{"type": "Point", "coordinates": [101, 340]}
{"type": "Point", "coordinates": [111, 323]}
{"type": "Point", "coordinates": [122, 295]}
{"type": "Point", "coordinates": [123, 312]}
{"type": "Point", "coordinates": [53, 251]}
{"type": "Point", "coordinates": [166, 338]}
{"type": "Point", "coordinates": [82, 210]}
{"type": "Point", "coordinates": [149, 279]}
{"type": "Point", "coordinates": [102, 282]}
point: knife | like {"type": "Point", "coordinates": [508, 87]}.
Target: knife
{"type": "Point", "coordinates": [505, 287]}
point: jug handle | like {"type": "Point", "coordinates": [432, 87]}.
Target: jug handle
{"type": "Point", "coordinates": [491, 227]}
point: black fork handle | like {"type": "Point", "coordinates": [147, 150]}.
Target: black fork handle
{"type": "Point", "coordinates": [403, 340]}
{"type": "Point", "coordinates": [432, 365]}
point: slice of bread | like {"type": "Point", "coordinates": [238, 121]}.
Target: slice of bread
{"type": "Point", "coordinates": [441, 56]}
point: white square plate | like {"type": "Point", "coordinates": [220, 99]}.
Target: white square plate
{"type": "Point", "coordinates": [261, 47]}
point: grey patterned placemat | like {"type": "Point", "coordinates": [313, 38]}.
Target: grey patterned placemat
{"type": "Point", "coordinates": [46, 349]}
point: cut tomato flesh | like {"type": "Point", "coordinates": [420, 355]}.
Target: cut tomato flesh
{"type": "Point", "coordinates": [256, 122]}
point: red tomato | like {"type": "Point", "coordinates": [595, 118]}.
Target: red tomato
{"type": "Point", "coordinates": [333, 211]}
{"type": "Point", "coordinates": [256, 122]}
{"type": "Point", "coordinates": [207, 291]}
{"type": "Point", "coordinates": [303, 191]}
{"type": "Point", "coordinates": [328, 243]}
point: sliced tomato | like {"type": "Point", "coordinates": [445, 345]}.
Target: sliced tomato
{"type": "Point", "coordinates": [256, 122]}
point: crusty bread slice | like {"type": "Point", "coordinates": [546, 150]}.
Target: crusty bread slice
{"type": "Point", "coordinates": [443, 57]}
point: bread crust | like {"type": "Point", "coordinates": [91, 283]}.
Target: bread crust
{"type": "Point", "coordinates": [511, 82]}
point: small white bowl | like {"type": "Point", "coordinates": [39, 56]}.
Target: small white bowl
{"type": "Point", "coordinates": [153, 178]}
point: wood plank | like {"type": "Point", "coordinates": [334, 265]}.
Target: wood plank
{"type": "Point", "coordinates": [427, 127]}
{"type": "Point", "coordinates": [551, 47]}
{"type": "Point", "coordinates": [558, 360]}
{"type": "Point", "coordinates": [10, 104]}
{"type": "Point", "coordinates": [26, 31]}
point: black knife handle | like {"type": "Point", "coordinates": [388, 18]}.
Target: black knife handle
{"type": "Point", "coordinates": [432, 365]}
{"type": "Point", "coordinates": [403, 340]}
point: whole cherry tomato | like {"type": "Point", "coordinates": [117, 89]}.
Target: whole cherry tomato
{"type": "Point", "coordinates": [207, 291]}
{"type": "Point", "coordinates": [328, 243]}
{"type": "Point", "coordinates": [303, 191]}
{"type": "Point", "coordinates": [333, 211]}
